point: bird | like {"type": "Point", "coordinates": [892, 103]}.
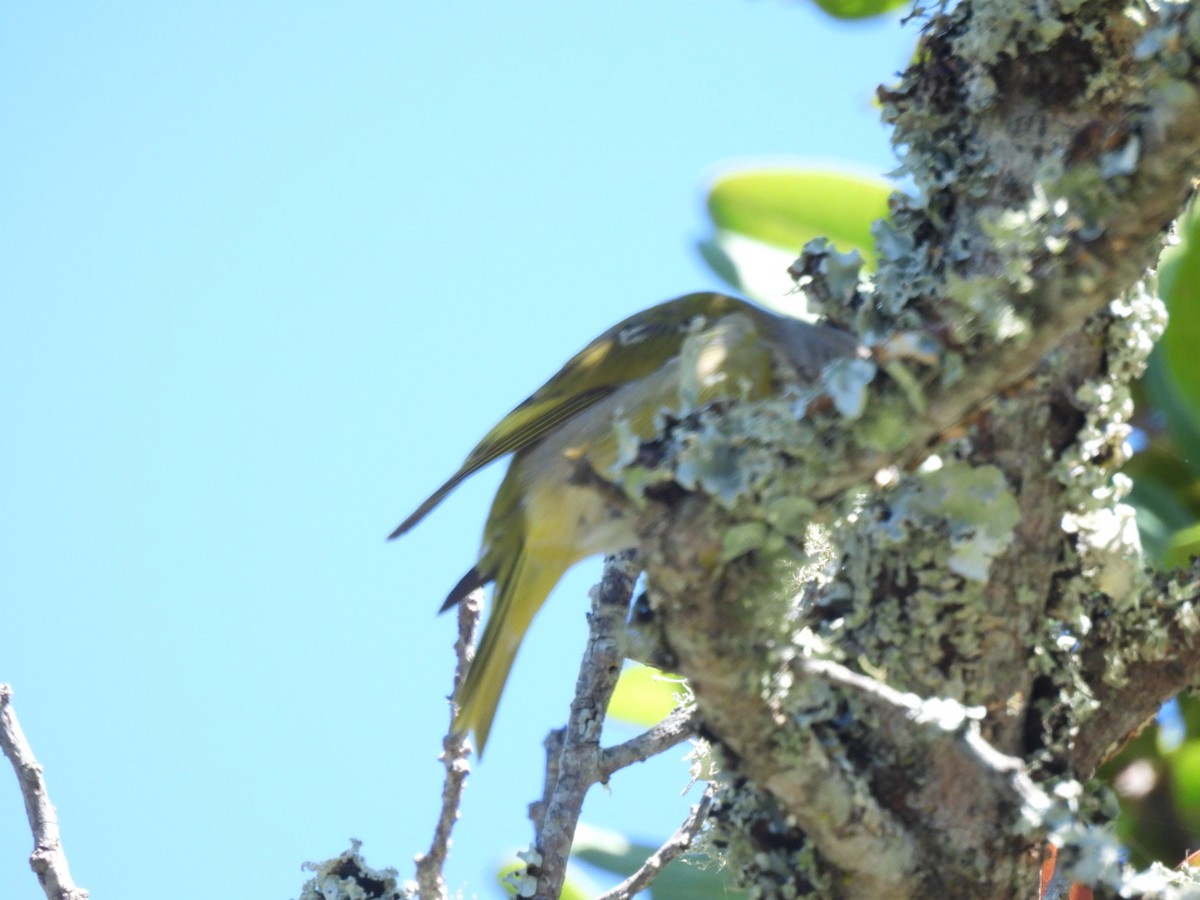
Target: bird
{"type": "Point", "coordinates": [674, 357]}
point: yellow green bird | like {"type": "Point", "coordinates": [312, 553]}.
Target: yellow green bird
{"type": "Point", "coordinates": [673, 357]}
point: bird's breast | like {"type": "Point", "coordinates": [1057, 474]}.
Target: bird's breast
{"type": "Point", "coordinates": [572, 522]}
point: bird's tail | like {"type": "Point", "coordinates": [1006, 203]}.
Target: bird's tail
{"type": "Point", "coordinates": [431, 501]}
{"type": "Point", "coordinates": [521, 589]}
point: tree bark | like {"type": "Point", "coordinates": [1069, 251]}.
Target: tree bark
{"type": "Point", "coordinates": [905, 684]}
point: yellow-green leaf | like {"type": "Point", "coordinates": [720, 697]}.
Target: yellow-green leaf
{"type": "Point", "coordinates": [859, 9]}
{"type": "Point", "coordinates": [787, 208]}
{"type": "Point", "coordinates": [644, 696]}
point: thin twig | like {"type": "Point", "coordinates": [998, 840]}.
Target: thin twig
{"type": "Point", "coordinates": [455, 750]}
{"type": "Point", "coordinates": [48, 860]}
{"type": "Point", "coordinates": [675, 846]}
{"type": "Point", "coordinates": [951, 717]}
{"type": "Point", "coordinates": [578, 764]}
{"type": "Point", "coordinates": [674, 729]}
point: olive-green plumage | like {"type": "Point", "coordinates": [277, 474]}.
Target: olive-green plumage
{"type": "Point", "coordinates": [684, 353]}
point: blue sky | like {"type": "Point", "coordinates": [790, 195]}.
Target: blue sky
{"type": "Point", "coordinates": [267, 272]}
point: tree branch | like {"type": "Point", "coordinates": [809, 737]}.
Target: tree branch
{"type": "Point", "coordinates": [1051, 147]}
{"type": "Point", "coordinates": [674, 729]}
{"type": "Point", "coordinates": [575, 767]}
{"type": "Point", "coordinates": [455, 751]}
{"type": "Point", "coordinates": [48, 860]}
{"type": "Point", "coordinates": [1164, 627]}
{"type": "Point", "coordinates": [677, 845]}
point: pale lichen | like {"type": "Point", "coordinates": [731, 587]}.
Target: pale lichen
{"type": "Point", "coordinates": [983, 580]}
{"type": "Point", "coordinates": [973, 506]}
{"type": "Point", "coordinates": [348, 877]}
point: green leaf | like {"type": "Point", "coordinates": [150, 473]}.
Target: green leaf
{"type": "Point", "coordinates": [1166, 473]}
{"type": "Point", "coordinates": [609, 850]}
{"type": "Point", "coordinates": [1167, 392]}
{"type": "Point", "coordinates": [1158, 516]}
{"type": "Point", "coordinates": [721, 262]}
{"type": "Point", "coordinates": [1185, 771]}
{"type": "Point", "coordinates": [786, 208]}
{"type": "Point", "coordinates": [1179, 284]}
{"type": "Point", "coordinates": [859, 9]}
{"type": "Point", "coordinates": [679, 881]}
{"type": "Point", "coordinates": [644, 696]}
{"type": "Point", "coordinates": [1184, 544]}
{"type": "Point", "coordinates": [1189, 712]}
{"type": "Point", "coordinates": [751, 267]}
